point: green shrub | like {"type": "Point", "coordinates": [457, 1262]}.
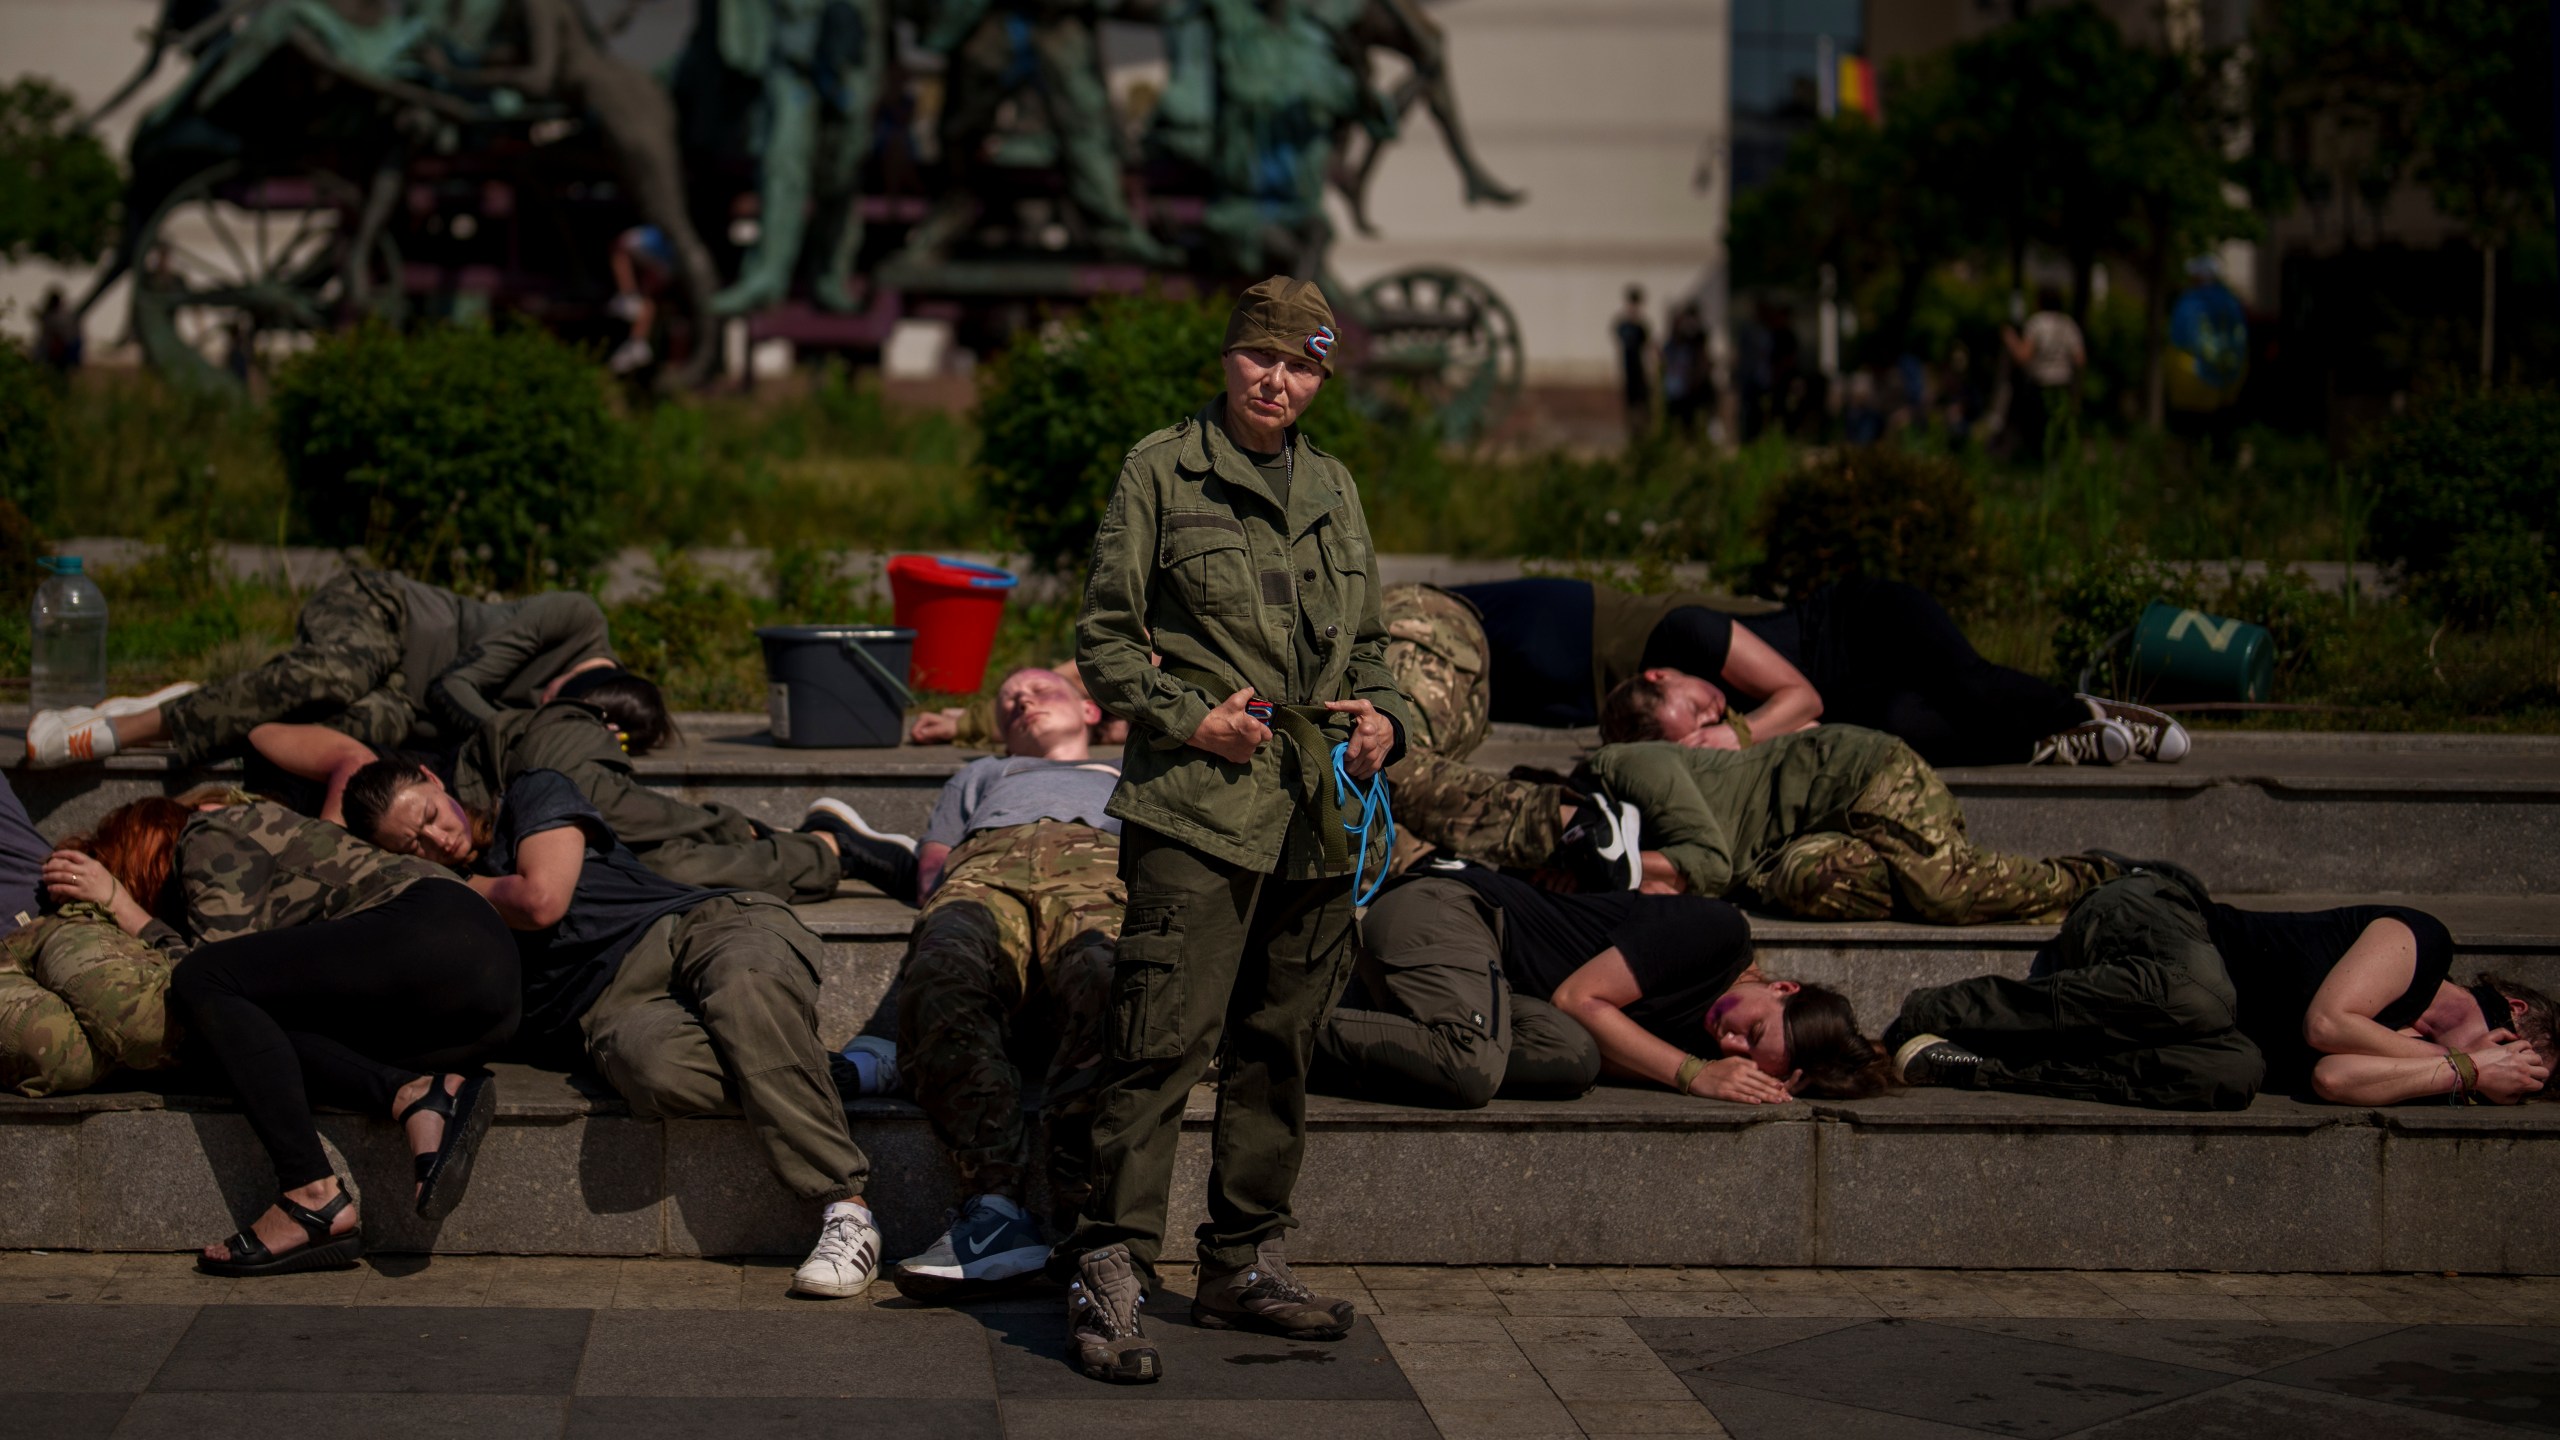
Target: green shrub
{"type": "Point", "coordinates": [59, 187]}
{"type": "Point", "coordinates": [2467, 497]}
{"type": "Point", "coordinates": [454, 453]}
{"type": "Point", "coordinates": [1882, 512]}
{"type": "Point", "coordinates": [1060, 407]}
{"type": "Point", "coordinates": [30, 437]}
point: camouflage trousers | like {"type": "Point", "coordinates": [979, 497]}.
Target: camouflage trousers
{"type": "Point", "coordinates": [343, 672]}
{"type": "Point", "coordinates": [1011, 967]}
{"type": "Point", "coordinates": [1436, 652]}
{"type": "Point", "coordinates": [1906, 851]}
{"type": "Point", "coordinates": [79, 998]}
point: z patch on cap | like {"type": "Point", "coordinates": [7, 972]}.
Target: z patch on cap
{"type": "Point", "coordinates": [1320, 344]}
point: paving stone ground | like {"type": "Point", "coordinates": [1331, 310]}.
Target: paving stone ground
{"type": "Point", "coordinates": [140, 1345]}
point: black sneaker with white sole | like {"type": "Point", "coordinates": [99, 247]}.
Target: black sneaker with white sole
{"type": "Point", "coordinates": [1935, 1060]}
{"type": "Point", "coordinates": [883, 861]}
{"type": "Point", "coordinates": [1603, 849]}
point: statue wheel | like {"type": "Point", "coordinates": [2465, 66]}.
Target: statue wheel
{"type": "Point", "coordinates": [230, 275]}
{"type": "Point", "coordinates": [1445, 339]}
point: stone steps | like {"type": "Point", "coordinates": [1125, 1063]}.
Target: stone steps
{"type": "Point", "coordinates": [2249, 811]}
{"type": "Point", "coordinates": [1927, 1179]}
{"type": "Point", "coordinates": [1874, 963]}
{"type": "Point", "coordinates": [2460, 825]}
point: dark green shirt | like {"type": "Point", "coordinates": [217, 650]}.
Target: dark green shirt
{"type": "Point", "coordinates": [1718, 815]}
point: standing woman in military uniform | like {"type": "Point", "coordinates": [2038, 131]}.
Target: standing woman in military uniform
{"type": "Point", "coordinates": [1237, 552]}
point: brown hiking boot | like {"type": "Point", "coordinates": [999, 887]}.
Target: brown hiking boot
{"type": "Point", "coordinates": [1102, 1319]}
{"type": "Point", "coordinates": [1264, 1295]}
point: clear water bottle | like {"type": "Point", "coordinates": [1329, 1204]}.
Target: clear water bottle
{"type": "Point", "coordinates": [69, 622]}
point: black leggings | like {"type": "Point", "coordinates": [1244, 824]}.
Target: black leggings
{"type": "Point", "coordinates": [1889, 657]}
{"type": "Point", "coordinates": [345, 1012]}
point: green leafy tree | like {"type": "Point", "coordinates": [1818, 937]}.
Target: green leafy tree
{"type": "Point", "coordinates": [456, 452]}
{"type": "Point", "coordinates": [59, 188]}
{"type": "Point", "coordinates": [2455, 96]}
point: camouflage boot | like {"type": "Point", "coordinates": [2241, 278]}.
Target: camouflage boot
{"type": "Point", "coordinates": [1264, 1295]}
{"type": "Point", "coordinates": [1102, 1319]}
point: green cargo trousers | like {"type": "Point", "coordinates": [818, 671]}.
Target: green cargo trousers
{"type": "Point", "coordinates": [2129, 1005]}
{"type": "Point", "coordinates": [791, 865]}
{"type": "Point", "coordinates": [1209, 951]}
{"type": "Point", "coordinates": [1433, 1021]}
{"type": "Point", "coordinates": [715, 1012]}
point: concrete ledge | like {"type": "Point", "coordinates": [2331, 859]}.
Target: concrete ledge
{"type": "Point", "coordinates": [1624, 1176]}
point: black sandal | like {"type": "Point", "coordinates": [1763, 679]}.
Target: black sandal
{"type": "Point", "coordinates": [444, 1174]}
{"type": "Point", "coordinates": [251, 1257]}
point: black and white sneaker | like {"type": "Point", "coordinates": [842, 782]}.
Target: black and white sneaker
{"type": "Point", "coordinates": [1603, 848]}
{"type": "Point", "coordinates": [2091, 742]}
{"type": "Point", "coordinates": [2157, 735]}
{"type": "Point", "coordinates": [990, 1243]}
{"type": "Point", "coordinates": [1935, 1060]}
{"type": "Point", "coordinates": [877, 858]}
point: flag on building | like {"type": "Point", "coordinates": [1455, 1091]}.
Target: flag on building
{"type": "Point", "coordinates": [1857, 88]}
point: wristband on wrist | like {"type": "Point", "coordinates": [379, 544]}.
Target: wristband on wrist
{"type": "Point", "coordinates": [2466, 1073]}
{"type": "Point", "coordinates": [1689, 1069]}
{"type": "Point", "coordinates": [1741, 727]}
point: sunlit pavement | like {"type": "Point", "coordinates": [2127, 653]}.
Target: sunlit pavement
{"type": "Point", "coordinates": [459, 1346]}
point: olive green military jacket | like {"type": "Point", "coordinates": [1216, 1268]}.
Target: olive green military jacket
{"type": "Point", "coordinates": [1719, 815]}
{"type": "Point", "coordinates": [1197, 562]}
{"type": "Point", "coordinates": [260, 866]}
{"type": "Point", "coordinates": [571, 736]}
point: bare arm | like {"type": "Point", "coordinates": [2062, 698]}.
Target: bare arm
{"type": "Point", "coordinates": [1790, 704]}
{"type": "Point", "coordinates": [930, 859]}
{"type": "Point", "coordinates": [2375, 971]}
{"type": "Point", "coordinates": [73, 875]}
{"type": "Point", "coordinates": [2509, 1072]}
{"type": "Point", "coordinates": [546, 876]}
{"type": "Point", "coordinates": [2017, 346]}
{"type": "Point", "coordinates": [315, 752]}
{"type": "Point", "coordinates": [1597, 997]}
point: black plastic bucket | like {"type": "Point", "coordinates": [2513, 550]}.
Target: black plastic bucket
{"type": "Point", "coordinates": [832, 686]}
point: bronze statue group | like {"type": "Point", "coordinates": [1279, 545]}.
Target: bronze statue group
{"type": "Point", "coordinates": [475, 872]}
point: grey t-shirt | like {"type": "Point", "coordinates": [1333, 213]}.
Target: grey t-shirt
{"type": "Point", "coordinates": [1000, 790]}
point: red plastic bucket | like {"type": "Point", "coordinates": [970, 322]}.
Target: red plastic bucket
{"type": "Point", "coordinates": [953, 606]}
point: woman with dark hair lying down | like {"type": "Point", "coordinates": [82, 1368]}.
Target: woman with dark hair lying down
{"type": "Point", "coordinates": [2156, 994]}
{"type": "Point", "coordinates": [317, 969]}
{"type": "Point", "coordinates": [1473, 984]}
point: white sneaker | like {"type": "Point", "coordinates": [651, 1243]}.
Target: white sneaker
{"type": "Point", "coordinates": [847, 1258]}
{"type": "Point", "coordinates": [831, 806]}
{"type": "Point", "coordinates": [56, 738]}
{"type": "Point", "coordinates": [2157, 735]}
{"type": "Point", "coordinates": [2094, 742]}
{"type": "Point", "coordinates": [630, 355]}
{"type": "Point", "coordinates": [117, 706]}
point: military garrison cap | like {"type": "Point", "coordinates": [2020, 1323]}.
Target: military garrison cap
{"type": "Point", "coordinates": [1286, 315]}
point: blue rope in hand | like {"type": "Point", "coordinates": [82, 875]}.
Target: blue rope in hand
{"type": "Point", "coordinates": [1373, 810]}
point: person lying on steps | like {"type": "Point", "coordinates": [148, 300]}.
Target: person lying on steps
{"type": "Point", "coordinates": [1557, 652]}
{"type": "Point", "coordinates": [1010, 964]}
{"type": "Point", "coordinates": [1471, 984]}
{"type": "Point", "coordinates": [2154, 994]}
{"type": "Point", "coordinates": [1835, 823]}
{"type": "Point", "coordinates": [391, 661]}
{"type": "Point", "coordinates": [687, 1001]}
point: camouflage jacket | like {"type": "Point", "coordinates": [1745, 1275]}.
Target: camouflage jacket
{"type": "Point", "coordinates": [1197, 561]}
{"type": "Point", "coordinates": [260, 866]}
